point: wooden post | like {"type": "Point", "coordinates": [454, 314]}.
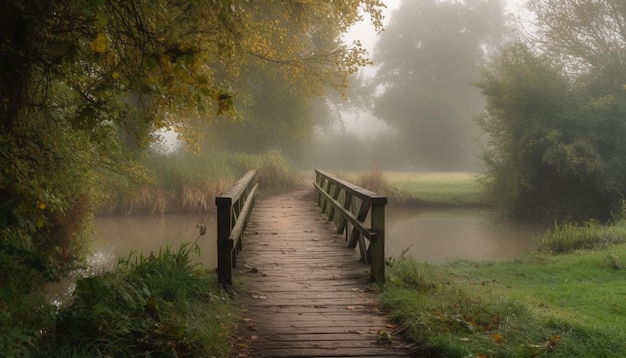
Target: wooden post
{"type": "Point", "coordinates": [224, 244]}
{"type": "Point", "coordinates": [376, 248]}
{"type": "Point", "coordinates": [233, 209]}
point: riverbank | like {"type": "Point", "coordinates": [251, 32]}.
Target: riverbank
{"type": "Point", "coordinates": [562, 299]}
{"type": "Point", "coordinates": [541, 304]}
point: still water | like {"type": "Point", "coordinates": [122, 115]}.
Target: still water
{"type": "Point", "coordinates": [427, 235]}
{"type": "Point", "coordinates": [449, 234]}
{"type": "Point", "coordinates": [118, 236]}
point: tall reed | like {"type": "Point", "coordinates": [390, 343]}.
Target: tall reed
{"type": "Point", "coordinates": [186, 182]}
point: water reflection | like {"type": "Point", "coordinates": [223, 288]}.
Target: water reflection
{"type": "Point", "coordinates": [429, 235]}
{"type": "Point", "coordinates": [448, 234]}
{"type": "Point", "coordinates": [119, 235]}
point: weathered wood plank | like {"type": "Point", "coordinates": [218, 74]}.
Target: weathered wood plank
{"type": "Point", "coordinates": [303, 291]}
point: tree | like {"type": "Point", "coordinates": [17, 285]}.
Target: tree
{"type": "Point", "coordinates": [583, 33]}
{"type": "Point", "coordinates": [540, 149]}
{"type": "Point", "coordinates": [84, 85]}
{"type": "Point", "coordinates": [555, 115]}
{"type": "Point", "coordinates": [429, 56]}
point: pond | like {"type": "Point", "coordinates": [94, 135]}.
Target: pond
{"type": "Point", "coordinates": [425, 234]}
{"type": "Point", "coordinates": [449, 234]}
{"type": "Point", "coordinates": [119, 235]}
{"type": "Point", "coordinates": [430, 235]}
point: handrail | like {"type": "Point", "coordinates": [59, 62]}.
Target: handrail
{"type": "Point", "coordinates": [349, 205]}
{"type": "Point", "coordinates": [234, 207]}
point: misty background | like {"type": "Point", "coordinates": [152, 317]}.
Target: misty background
{"type": "Point", "coordinates": [414, 108]}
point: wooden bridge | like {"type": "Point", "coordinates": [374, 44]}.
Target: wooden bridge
{"type": "Point", "coordinates": [303, 287]}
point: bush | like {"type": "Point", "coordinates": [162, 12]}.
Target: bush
{"type": "Point", "coordinates": [555, 141]}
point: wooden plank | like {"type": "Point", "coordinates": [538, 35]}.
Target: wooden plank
{"type": "Point", "coordinates": [303, 291]}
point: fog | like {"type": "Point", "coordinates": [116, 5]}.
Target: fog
{"type": "Point", "coordinates": [415, 108]}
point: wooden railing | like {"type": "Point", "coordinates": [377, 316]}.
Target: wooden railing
{"type": "Point", "coordinates": [234, 207]}
{"type": "Point", "coordinates": [349, 206]}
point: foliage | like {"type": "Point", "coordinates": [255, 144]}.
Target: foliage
{"type": "Point", "coordinates": [584, 34]}
{"type": "Point", "coordinates": [272, 112]}
{"type": "Point", "coordinates": [535, 306]}
{"type": "Point", "coordinates": [551, 153]}
{"type": "Point", "coordinates": [567, 238]}
{"type": "Point", "coordinates": [25, 313]}
{"type": "Point", "coordinates": [157, 305]}
{"type": "Point", "coordinates": [428, 57]}
{"type": "Point", "coordinates": [555, 113]}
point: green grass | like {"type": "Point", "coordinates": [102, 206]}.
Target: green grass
{"type": "Point", "coordinates": [431, 189]}
{"type": "Point", "coordinates": [161, 305]}
{"type": "Point", "coordinates": [568, 305]}
{"type": "Point", "coordinates": [570, 237]}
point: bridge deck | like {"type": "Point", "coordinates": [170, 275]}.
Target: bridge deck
{"type": "Point", "coordinates": [304, 292]}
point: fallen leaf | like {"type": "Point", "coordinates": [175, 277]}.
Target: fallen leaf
{"type": "Point", "coordinates": [498, 338]}
{"type": "Point", "coordinates": [383, 337]}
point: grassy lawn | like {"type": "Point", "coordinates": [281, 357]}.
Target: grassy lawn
{"type": "Point", "coordinates": [434, 189]}
{"type": "Point", "coordinates": [565, 299]}
{"type": "Point", "coordinates": [444, 189]}
{"type": "Point", "coordinates": [569, 305]}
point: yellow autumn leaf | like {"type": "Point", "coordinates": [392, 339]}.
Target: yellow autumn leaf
{"type": "Point", "coordinates": [498, 338]}
{"type": "Point", "coordinates": [99, 44]}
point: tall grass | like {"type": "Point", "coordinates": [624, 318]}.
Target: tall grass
{"type": "Point", "coordinates": [187, 182]}
{"type": "Point", "coordinates": [565, 238]}
{"type": "Point", "coordinates": [161, 305]}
